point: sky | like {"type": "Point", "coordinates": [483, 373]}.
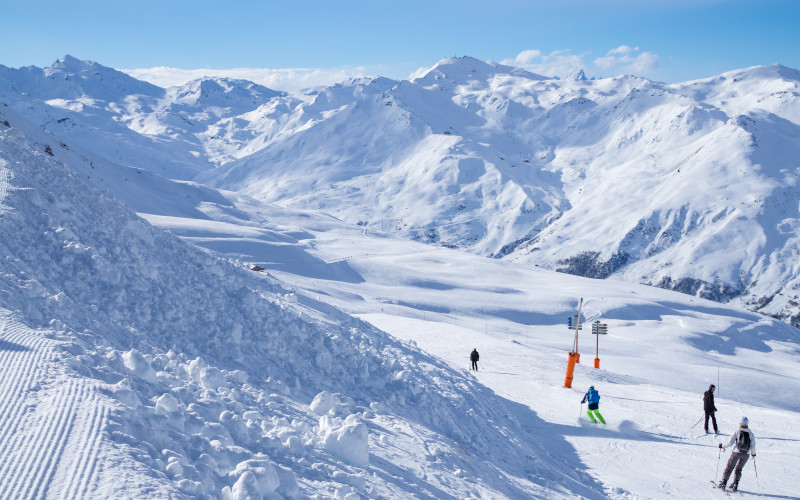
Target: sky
{"type": "Point", "coordinates": [294, 44]}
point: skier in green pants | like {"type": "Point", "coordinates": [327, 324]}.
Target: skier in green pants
{"type": "Point", "coordinates": [593, 398]}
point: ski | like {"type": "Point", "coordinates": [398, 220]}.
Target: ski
{"type": "Point", "coordinates": [723, 491]}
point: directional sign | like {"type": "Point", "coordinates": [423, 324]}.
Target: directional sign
{"type": "Point", "coordinates": [572, 321]}
{"type": "Point", "coordinates": [599, 328]}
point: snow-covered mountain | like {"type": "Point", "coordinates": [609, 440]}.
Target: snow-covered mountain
{"type": "Point", "coordinates": [172, 132]}
{"type": "Point", "coordinates": [139, 365]}
{"type": "Point", "coordinates": [689, 186]}
{"type": "Point", "coordinates": [142, 357]}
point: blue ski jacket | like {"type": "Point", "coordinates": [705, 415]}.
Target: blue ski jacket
{"type": "Point", "coordinates": [593, 397]}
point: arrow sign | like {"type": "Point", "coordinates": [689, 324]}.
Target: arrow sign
{"type": "Point", "coordinates": [599, 328]}
{"type": "Point", "coordinates": [572, 321]}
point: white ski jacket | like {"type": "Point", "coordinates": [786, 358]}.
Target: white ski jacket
{"type": "Point", "coordinates": [733, 441]}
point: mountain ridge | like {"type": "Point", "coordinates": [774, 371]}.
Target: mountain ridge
{"type": "Point", "coordinates": [507, 164]}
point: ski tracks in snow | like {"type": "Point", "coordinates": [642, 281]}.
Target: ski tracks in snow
{"type": "Point", "coordinates": [51, 423]}
{"type": "Point", "coordinates": [5, 177]}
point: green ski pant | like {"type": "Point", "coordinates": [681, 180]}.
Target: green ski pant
{"type": "Point", "coordinates": [596, 414]}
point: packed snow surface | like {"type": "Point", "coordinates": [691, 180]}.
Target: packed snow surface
{"type": "Point", "coordinates": [142, 357]}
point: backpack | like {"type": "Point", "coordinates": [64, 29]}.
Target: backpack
{"type": "Point", "coordinates": [743, 441]}
{"type": "Point", "coordinates": [594, 397]}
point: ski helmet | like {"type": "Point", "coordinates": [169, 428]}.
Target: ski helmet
{"type": "Point", "coordinates": [591, 387]}
{"type": "Point", "coordinates": [744, 422]}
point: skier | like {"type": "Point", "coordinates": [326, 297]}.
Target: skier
{"type": "Point", "coordinates": [708, 406]}
{"type": "Point", "coordinates": [474, 357]}
{"type": "Point", "coordinates": [593, 397]}
{"type": "Point", "coordinates": [744, 442]}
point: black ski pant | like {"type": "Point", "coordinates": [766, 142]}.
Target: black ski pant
{"type": "Point", "coordinates": [713, 421]}
{"type": "Point", "coordinates": [736, 464]}
{"type": "Point", "coordinates": [475, 365]}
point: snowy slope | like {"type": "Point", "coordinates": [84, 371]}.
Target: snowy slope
{"type": "Point", "coordinates": [663, 349]}
{"type": "Point", "coordinates": [184, 375]}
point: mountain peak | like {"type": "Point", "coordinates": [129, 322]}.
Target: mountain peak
{"type": "Point", "coordinates": [68, 59]}
{"type": "Point", "coordinates": [578, 75]}
{"type": "Point", "coordinates": [70, 64]}
{"type": "Point", "coordinates": [70, 77]}
{"type": "Point", "coordinates": [222, 91]}
{"type": "Point", "coordinates": [465, 68]}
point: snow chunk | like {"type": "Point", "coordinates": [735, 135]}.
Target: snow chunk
{"type": "Point", "coordinates": [236, 427]}
{"type": "Point", "coordinates": [139, 366]}
{"type": "Point", "coordinates": [174, 468]}
{"type": "Point", "coordinates": [208, 377]}
{"type": "Point", "coordinates": [246, 487]}
{"type": "Point", "coordinates": [121, 392]}
{"type": "Point", "coordinates": [348, 440]}
{"type": "Point", "coordinates": [167, 404]}
{"type": "Point", "coordinates": [192, 487]}
{"type": "Point", "coordinates": [212, 378]}
{"type": "Point", "coordinates": [264, 471]}
{"type": "Point", "coordinates": [334, 404]}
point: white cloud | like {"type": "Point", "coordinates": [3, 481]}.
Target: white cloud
{"type": "Point", "coordinates": [562, 63]}
{"type": "Point", "coordinates": [558, 63]}
{"type": "Point", "coordinates": [623, 50]}
{"type": "Point", "coordinates": [625, 59]}
{"type": "Point", "coordinates": [278, 79]}
{"type": "Point", "coordinates": [645, 62]}
{"type": "Point", "coordinates": [526, 56]}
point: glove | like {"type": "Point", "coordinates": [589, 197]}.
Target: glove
{"type": "Point", "coordinates": [754, 455]}
{"type": "Point", "coordinates": [720, 446]}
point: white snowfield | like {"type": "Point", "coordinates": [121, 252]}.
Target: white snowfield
{"type": "Point", "coordinates": [141, 358]}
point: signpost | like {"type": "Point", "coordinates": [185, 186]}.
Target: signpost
{"type": "Point", "coordinates": [598, 329]}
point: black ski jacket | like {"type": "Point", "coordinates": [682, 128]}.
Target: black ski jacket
{"type": "Point", "coordinates": [474, 356]}
{"type": "Point", "coordinates": [708, 401]}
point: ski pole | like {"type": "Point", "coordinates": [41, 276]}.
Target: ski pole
{"type": "Point", "coordinates": [581, 412]}
{"type": "Point", "coordinates": [719, 455]}
{"type": "Point", "coordinates": [701, 419]}
{"type": "Point", "coordinates": [756, 469]}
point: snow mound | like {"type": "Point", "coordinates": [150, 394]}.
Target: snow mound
{"type": "Point", "coordinates": [347, 439]}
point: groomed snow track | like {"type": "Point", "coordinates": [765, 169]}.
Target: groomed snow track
{"type": "Point", "coordinates": [50, 440]}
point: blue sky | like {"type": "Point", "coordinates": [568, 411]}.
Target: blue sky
{"type": "Point", "coordinates": [297, 41]}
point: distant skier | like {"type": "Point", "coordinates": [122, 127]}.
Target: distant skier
{"type": "Point", "coordinates": [593, 397]}
{"type": "Point", "coordinates": [474, 357]}
{"type": "Point", "coordinates": [710, 409]}
{"type": "Point", "coordinates": [743, 441]}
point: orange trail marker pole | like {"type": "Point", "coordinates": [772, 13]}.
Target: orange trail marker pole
{"type": "Point", "coordinates": [574, 357]}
